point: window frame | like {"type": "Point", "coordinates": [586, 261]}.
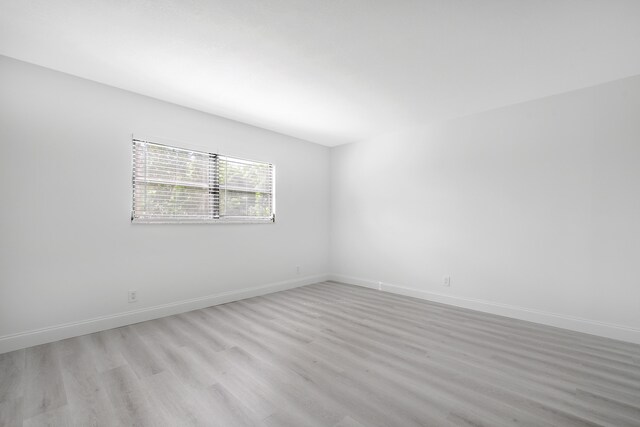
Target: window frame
{"type": "Point", "coordinates": [213, 190]}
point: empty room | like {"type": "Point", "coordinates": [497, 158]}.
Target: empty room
{"type": "Point", "coordinates": [324, 213]}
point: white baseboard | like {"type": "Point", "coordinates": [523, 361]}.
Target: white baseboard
{"type": "Point", "coordinates": [607, 330]}
{"type": "Point", "coordinates": [41, 336]}
{"type": "Point", "coordinates": [73, 329]}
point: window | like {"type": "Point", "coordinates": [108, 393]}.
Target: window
{"type": "Point", "coordinates": [176, 185]}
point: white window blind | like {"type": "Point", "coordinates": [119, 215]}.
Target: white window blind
{"type": "Point", "coordinates": [173, 184]}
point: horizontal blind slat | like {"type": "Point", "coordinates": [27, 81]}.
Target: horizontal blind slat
{"type": "Point", "coordinates": [176, 184]}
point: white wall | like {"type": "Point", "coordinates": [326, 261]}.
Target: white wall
{"type": "Point", "coordinates": [68, 251]}
{"type": "Point", "coordinates": [533, 209]}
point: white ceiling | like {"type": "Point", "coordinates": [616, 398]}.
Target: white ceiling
{"type": "Point", "coordinates": [331, 71]}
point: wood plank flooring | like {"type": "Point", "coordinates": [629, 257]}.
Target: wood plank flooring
{"type": "Point", "coordinates": [325, 355]}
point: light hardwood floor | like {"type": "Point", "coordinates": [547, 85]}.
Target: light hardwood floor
{"type": "Point", "coordinates": [325, 355]}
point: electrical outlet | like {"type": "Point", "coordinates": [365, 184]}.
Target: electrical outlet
{"type": "Point", "coordinates": [446, 281]}
{"type": "Point", "coordinates": [133, 295]}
